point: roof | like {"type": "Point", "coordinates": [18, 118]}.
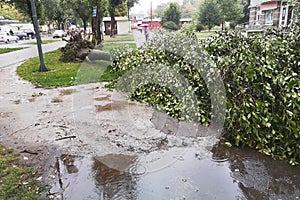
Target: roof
{"type": "Point", "coordinates": [186, 19]}
{"type": "Point", "coordinates": [108, 19]}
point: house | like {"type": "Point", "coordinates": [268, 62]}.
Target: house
{"type": "Point", "coordinates": [123, 25]}
{"type": "Point", "coordinates": [185, 21]}
{"type": "Point", "coordinates": [152, 23]}
{"type": "Point", "coordinates": [271, 13]}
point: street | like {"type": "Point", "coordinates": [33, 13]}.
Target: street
{"type": "Point", "coordinates": [30, 51]}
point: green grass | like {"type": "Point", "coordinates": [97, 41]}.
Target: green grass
{"type": "Point", "coordinates": [119, 38]}
{"type": "Point", "coordinates": [59, 74]}
{"type": "Point", "coordinates": [111, 46]}
{"type": "Point", "coordinates": [44, 42]}
{"type": "Point", "coordinates": [91, 72]}
{"type": "Point", "coordinates": [17, 181]}
{"type": "Point", "coordinates": [205, 34]}
{"type": "Point", "coordinates": [62, 74]}
{"type": "Point", "coordinates": [7, 50]}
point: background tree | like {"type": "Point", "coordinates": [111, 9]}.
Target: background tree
{"type": "Point", "coordinates": [209, 14]}
{"type": "Point", "coordinates": [189, 8]}
{"type": "Point", "coordinates": [9, 11]}
{"type": "Point", "coordinates": [130, 4]}
{"type": "Point", "coordinates": [246, 12]}
{"type": "Point", "coordinates": [112, 6]}
{"type": "Point", "coordinates": [80, 8]}
{"type": "Point", "coordinates": [171, 16]}
{"type": "Point", "coordinates": [159, 10]}
{"type": "Point", "coordinates": [231, 11]}
{"type": "Point", "coordinates": [24, 7]}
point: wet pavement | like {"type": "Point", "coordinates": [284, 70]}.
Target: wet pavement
{"type": "Point", "coordinates": [222, 173]}
{"type": "Point", "coordinates": [91, 143]}
{"type": "Point", "coordinates": [29, 51]}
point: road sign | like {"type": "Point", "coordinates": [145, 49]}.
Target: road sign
{"type": "Point", "coordinates": [95, 11]}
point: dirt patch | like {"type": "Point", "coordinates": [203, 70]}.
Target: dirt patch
{"type": "Point", "coordinates": [106, 98]}
{"type": "Point", "coordinates": [56, 100]}
{"type": "Point", "coordinates": [5, 114]}
{"type": "Point", "coordinates": [31, 100]}
{"type": "Point", "coordinates": [17, 101]}
{"type": "Point", "coordinates": [67, 92]}
{"type": "Point", "coordinates": [106, 107]}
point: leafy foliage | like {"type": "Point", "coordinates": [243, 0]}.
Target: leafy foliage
{"type": "Point", "coordinates": [171, 16]}
{"type": "Point", "coordinates": [77, 48]}
{"type": "Point", "coordinates": [231, 10]}
{"type": "Point", "coordinates": [209, 14]}
{"type": "Point", "coordinates": [262, 90]}
{"type": "Point", "coordinates": [261, 78]}
{"type": "Point", "coordinates": [9, 11]}
{"type": "Point", "coordinates": [24, 7]}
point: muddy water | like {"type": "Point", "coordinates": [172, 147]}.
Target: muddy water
{"type": "Point", "coordinates": [224, 173]}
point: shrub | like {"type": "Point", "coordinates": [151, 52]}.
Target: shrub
{"type": "Point", "coordinates": [260, 76]}
{"type": "Point", "coordinates": [170, 26]}
{"type": "Point", "coordinates": [262, 90]}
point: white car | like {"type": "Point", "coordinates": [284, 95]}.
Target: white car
{"type": "Point", "coordinates": [59, 34]}
{"type": "Point", "coordinates": [6, 37]}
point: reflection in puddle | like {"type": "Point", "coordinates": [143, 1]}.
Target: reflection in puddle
{"type": "Point", "coordinates": [224, 173]}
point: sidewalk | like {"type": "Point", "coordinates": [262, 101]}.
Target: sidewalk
{"type": "Point", "coordinates": [22, 55]}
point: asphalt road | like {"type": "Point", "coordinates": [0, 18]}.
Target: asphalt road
{"type": "Point", "coordinates": [29, 52]}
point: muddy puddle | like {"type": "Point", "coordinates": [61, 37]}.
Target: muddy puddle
{"type": "Point", "coordinates": [222, 173]}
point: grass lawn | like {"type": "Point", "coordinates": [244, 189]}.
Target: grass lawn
{"type": "Point", "coordinates": [17, 181]}
{"type": "Point", "coordinates": [59, 74]}
{"type": "Point", "coordinates": [111, 46]}
{"type": "Point", "coordinates": [119, 38]}
{"type": "Point", "coordinates": [205, 34]}
{"type": "Point", "coordinates": [62, 74]}
{"type": "Point", "coordinates": [44, 42]}
{"type": "Point", "coordinates": [7, 50]}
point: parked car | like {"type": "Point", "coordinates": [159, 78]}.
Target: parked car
{"type": "Point", "coordinates": [30, 33]}
{"type": "Point", "coordinates": [59, 34]}
{"type": "Point", "coordinates": [6, 37]}
{"type": "Point", "coordinates": [21, 34]}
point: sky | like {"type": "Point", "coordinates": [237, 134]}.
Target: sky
{"type": "Point", "coordinates": [144, 6]}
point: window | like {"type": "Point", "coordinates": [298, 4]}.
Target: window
{"type": "Point", "coordinates": [269, 17]}
{"type": "Point", "coordinates": [257, 14]}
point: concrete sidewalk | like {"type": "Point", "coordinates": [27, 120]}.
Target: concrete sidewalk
{"type": "Point", "coordinates": [14, 57]}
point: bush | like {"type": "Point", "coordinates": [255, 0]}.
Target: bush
{"type": "Point", "coordinates": [200, 27]}
{"type": "Point", "coordinates": [260, 76]}
{"type": "Point", "coordinates": [170, 26]}
{"type": "Point", "coordinates": [262, 87]}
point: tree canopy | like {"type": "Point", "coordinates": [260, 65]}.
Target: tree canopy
{"type": "Point", "coordinates": [209, 14]}
{"type": "Point", "coordinates": [171, 15]}
{"type": "Point", "coordinates": [231, 10]}
{"type": "Point", "coordinates": [9, 11]}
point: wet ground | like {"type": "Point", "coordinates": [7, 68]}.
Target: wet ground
{"type": "Point", "coordinates": [91, 143]}
{"type": "Point", "coordinates": [223, 173]}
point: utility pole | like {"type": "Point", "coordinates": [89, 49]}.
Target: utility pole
{"type": "Point", "coordinates": [151, 14]}
{"type": "Point", "coordinates": [38, 37]}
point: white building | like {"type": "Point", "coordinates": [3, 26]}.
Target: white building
{"type": "Point", "coordinates": [123, 25]}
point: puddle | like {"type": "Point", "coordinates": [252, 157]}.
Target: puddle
{"type": "Point", "coordinates": [223, 173]}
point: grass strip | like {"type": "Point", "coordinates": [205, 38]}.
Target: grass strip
{"type": "Point", "coordinates": [7, 50]}
{"type": "Point", "coordinates": [44, 42]}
